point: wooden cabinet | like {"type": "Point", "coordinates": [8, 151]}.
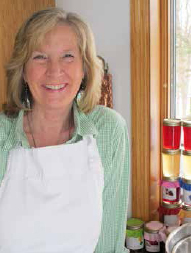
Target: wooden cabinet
{"type": "Point", "coordinates": [12, 15]}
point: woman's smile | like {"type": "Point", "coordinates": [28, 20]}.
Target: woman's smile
{"type": "Point", "coordinates": [57, 87]}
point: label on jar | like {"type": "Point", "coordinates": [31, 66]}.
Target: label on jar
{"type": "Point", "coordinates": [169, 193]}
{"type": "Point", "coordinates": [171, 220]}
{"type": "Point", "coordinates": [187, 197]}
{"type": "Point", "coordinates": [152, 246]}
{"type": "Point", "coordinates": [134, 243]}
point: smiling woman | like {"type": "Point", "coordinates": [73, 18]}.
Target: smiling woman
{"type": "Point", "coordinates": [64, 159]}
{"type": "Point", "coordinates": [54, 71]}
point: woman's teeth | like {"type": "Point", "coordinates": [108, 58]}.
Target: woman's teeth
{"type": "Point", "coordinates": [55, 87]}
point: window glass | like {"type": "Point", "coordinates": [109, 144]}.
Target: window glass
{"type": "Point", "coordinates": [183, 59]}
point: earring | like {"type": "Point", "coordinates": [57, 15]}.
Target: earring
{"type": "Point", "coordinates": [83, 84]}
{"type": "Point", "coordinates": [27, 101]}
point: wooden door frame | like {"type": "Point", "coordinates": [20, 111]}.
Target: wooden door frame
{"type": "Point", "coordinates": [149, 88]}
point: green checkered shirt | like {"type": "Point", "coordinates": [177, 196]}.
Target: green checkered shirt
{"type": "Point", "coordinates": [110, 131]}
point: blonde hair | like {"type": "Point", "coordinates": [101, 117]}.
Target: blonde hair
{"type": "Point", "coordinates": [30, 35]}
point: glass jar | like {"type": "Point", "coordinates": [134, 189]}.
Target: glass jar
{"type": "Point", "coordinates": [170, 213]}
{"type": "Point", "coordinates": [171, 133]}
{"type": "Point", "coordinates": [187, 134]}
{"type": "Point", "coordinates": [171, 162]}
{"type": "Point", "coordinates": [135, 234]}
{"type": "Point", "coordinates": [185, 184]}
{"type": "Point", "coordinates": [186, 162]}
{"type": "Point", "coordinates": [185, 214]}
{"type": "Point", "coordinates": [154, 234]}
{"type": "Point", "coordinates": [170, 188]}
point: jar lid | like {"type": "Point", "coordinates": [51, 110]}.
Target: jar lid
{"type": "Point", "coordinates": [186, 152]}
{"type": "Point", "coordinates": [170, 179]}
{"type": "Point", "coordinates": [171, 151]}
{"type": "Point", "coordinates": [186, 123]}
{"type": "Point", "coordinates": [187, 181]}
{"type": "Point", "coordinates": [171, 205]}
{"type": "Point", "coordinates": [153, 227]}
{"type": "Point", "coordinates": [134, 223]}
{"type": "Point", "coordinates": [186, 207]}
{"type": "Point", "coordinates": [171, 122]}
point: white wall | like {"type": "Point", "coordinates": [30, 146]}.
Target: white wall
{"type": "Point", "coordinates": [110, 22]}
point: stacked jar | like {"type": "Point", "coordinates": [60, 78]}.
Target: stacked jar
{"type": "Point", "coordinates": [185, 180]}
{"type": "Point", "coordinates": [170, 187]}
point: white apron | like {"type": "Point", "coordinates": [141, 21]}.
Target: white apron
{"type": "Point", "coordinates": [51, 199]}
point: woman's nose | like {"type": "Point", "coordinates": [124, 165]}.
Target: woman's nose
{"type": "Point", "coordinates": [55, 68]}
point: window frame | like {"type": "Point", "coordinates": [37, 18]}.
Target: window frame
{"type": "Point", "coordinates": [150, 96]}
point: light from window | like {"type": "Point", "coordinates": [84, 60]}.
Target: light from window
{"type": "Point", "coordinates": [183, 58]}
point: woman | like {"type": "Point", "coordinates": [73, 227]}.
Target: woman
{"type": "Point", "coordinates": [64, 160]}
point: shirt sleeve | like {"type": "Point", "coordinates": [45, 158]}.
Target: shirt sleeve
{"type": "Point", "coordinates": [115, 196]}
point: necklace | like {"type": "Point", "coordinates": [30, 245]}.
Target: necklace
{"type": "Point", "coordinates": [31, 131]}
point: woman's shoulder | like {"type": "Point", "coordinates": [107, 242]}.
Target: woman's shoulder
{"type": "Point", "coordinates": [105, 116]}
{"type": "Point", "coordinates": [5, 125]}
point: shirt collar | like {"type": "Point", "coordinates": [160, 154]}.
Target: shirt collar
{"type": "Point", "coordinates": [83, 124]}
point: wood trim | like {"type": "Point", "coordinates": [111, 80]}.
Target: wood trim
{"type": "Point", "coordinates": [140, 102]}
{"type": "Point", "coordinates": [165, 60]}
{"type": "Point", "coordinates": [155, 136]}
{"type": "Point", "coordinates": [12, 15]}
{"type": "Point", "coordinates": [150, 99]}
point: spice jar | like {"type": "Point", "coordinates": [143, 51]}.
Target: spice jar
{"type": "Point", "coordinates": [171, 133]}
{"type": "Point", "coordinates": [170, 188]}
{"type": "Point", "coordinates": [170, 213]}
{"type": "Point", "coordinates": [134, 234]}
{"type": "Point", "coordinates": [186, 162]}
{"type": "Point", "coordinates": [185, 214]}
{"type": "Point", "coordinates": [185, 184]}
{"type": "Point", "coordinates": [187, 134]}
{"type": "Point", "coordinates": [154, 234]}
{"type": "Point", "coordinates": [171, 162]}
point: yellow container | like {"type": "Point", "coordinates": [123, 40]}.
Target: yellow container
{"type": "Point", "coordinates": [171, 162]}
{"type": "Point", "coordinates": [186, 158]}
{"type": "Point", "coordinates": [185, 214]}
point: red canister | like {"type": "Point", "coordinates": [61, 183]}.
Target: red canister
{"type": "Point", "coordinates": [187, 134]}
{"type": "Point", "coordinates": [171, 133]}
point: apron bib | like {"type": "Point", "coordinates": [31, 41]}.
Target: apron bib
{"type": "Point", "coordinates": [51, 199]}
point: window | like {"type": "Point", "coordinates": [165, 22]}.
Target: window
{"type": "Point", "coordinates": [181, 85]}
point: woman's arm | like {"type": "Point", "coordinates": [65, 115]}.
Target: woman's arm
{"type": "Point", "coordinates": [115, 195]}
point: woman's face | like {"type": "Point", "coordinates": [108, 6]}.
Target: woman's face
{"type": "Point", "coordinates": [55, 70]}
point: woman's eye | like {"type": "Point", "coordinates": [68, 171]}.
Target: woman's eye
{"type": "Point", "coordinates": [68, 57]}
{"type": "Point", "coordinates": [39, 57]}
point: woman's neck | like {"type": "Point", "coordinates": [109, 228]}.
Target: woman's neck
{"type": "Point", "coordinates": [46, 120]}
